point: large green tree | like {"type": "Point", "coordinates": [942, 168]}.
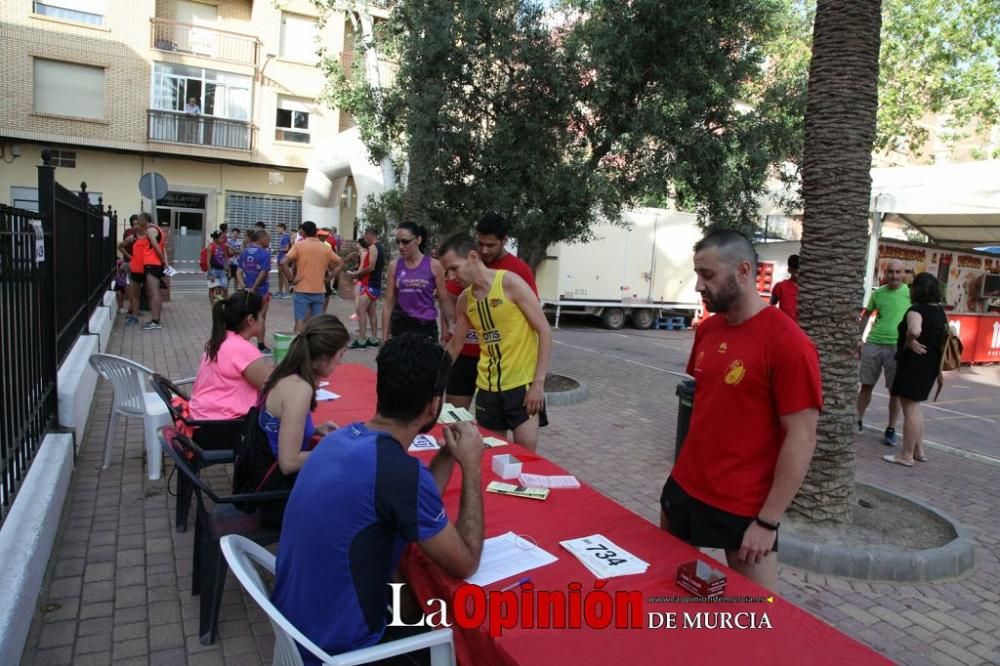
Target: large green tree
{"type": "Point", "coordinates": [553, 121]}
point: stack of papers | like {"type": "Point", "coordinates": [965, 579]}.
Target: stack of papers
{"type": "Point", "coordinates": [603, 558]}
{"type": "Point", "coordinates": [323, 394]}
{"type": "Point", "coordinates": [508, 555]}
{"type": "Point", "coordinates": [424, 443]}
{"type": "Point", "coordinates": [502, 488]}
{"type": "Point", "coordinates": [493, 442]}
{"type": "Point", "coordinates": [541, 481]}
{"type": "Point", "coordinates": [452, 414]}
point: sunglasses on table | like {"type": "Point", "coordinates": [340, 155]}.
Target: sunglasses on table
{"type": "Point", "coordinates": [405, 241]}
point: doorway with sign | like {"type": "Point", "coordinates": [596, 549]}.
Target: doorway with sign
{"type": "Point", "coordinates": [183, 214]}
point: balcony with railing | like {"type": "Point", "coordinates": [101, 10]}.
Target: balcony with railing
{"type": "Point", "coordinates": [203, 41]}
{"type": "Point", "coordinates": [200, 130]}
{"type": "Point", "coordinates": [386, 68]}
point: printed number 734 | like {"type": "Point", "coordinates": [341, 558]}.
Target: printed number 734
{"type": "Point", "coordinates": [606, 554]}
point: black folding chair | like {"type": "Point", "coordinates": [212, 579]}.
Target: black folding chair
{"type": "Point", "coordinates": [215, 516]}
{"type": "Point", "coordinates": [214, 441]}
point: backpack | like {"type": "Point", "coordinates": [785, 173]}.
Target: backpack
{"type": "Point", "coordinates": [255, 469]}
{"type": "Point", "coordinates": [951, 356]}
{"type": "Point", "coordinates": [203, 259]}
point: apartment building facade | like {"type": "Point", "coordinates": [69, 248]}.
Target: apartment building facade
{"type": "Point", "coordinates": [217, 96]}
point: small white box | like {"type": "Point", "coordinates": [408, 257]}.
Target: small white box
{"type": "Point", "coordinates": [506, 466]}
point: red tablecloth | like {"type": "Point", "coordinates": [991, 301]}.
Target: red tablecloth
{"type": "Point", "coordinates": [795, 636]}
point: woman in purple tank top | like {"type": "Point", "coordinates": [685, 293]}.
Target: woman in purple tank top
{"type": "Point", "coordinates": [415, 280]}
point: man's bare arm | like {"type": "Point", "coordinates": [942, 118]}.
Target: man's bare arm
{"type": "Point", "coordinates": [793, 462]}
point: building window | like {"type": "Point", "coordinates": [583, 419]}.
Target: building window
{"type": "Point", "coordinates": [63, 158]}
{"type": "Point", "coordinates": [292, 121]}
{"type": "Point", "coordinates": [245, 209]}
{"type": "Point", "coordinates": [90, 12]}
{"type": "Point", "coordinates": [298, 38]}
{"type": "Point", "coordinates": [69, 89]}
{"type": "Point", "coordinates": [215, 93]}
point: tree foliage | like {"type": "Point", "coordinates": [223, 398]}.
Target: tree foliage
{"type": "Point", "coordinates": [937, 57]}
{"type": "Point", "coordinates": [555, 121]}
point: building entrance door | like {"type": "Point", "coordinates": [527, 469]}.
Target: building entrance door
{"type": "Point", "coordinates": [183, 214]}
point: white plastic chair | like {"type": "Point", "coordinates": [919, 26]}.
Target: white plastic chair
{"type": "Point", "coordinates": [242, 556]}
{"type": "Point", "coordinates": [134, 397]}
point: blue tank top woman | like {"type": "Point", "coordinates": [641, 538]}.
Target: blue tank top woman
{"type": "Point", "coordinates": [270, 424]}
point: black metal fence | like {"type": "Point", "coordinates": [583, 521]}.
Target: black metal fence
{"type": "Point", "coordinates": [55, 264]}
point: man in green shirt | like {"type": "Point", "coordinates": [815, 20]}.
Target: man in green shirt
{"type": "Point", "coordinates": [878, 353]}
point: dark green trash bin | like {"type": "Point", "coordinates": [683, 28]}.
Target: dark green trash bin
{"type": "Point", "coordinates": [685, 403]}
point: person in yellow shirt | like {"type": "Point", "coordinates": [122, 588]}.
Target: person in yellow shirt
{"type": "Point", "coordinates": [515, 342]}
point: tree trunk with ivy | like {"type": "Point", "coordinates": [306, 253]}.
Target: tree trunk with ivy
{"type": "Point", "coordinates": [836, 189]}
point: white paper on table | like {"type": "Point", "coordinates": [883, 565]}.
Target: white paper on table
{"type": "Point", "coordinates": [508, 555]}
{"type": "Point", "coordinates": [493, 442]}
{"type": "Point", "coordinates": [542, 481]}
{"type": "Point", "coordinates": [322, 384]}
{"type": "Point", "coordinates": [452, 414]}
{"type": "Point", "coordinates": [323, 394]}
{"type": "Point", "coordinates": [603, 557]}
{"type": "Point", "coordinates": [424, 443]}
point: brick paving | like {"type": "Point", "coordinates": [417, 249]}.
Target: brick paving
{"type": "Point", "coordinates": [118, 583]}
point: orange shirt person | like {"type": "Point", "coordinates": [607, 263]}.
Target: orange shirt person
{"type": "Point", "coordinates": [312, 258]}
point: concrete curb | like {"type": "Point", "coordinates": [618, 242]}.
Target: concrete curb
{"type": "Point", "coordinates": [76, 382]}
{"type": "Point", "coordinates": [27, 538]}
{"type": "Point", "coordinates": [571, 397]}
{"type": "Point", "coordinates": [917, 566]}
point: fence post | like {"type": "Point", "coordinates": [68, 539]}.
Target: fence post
{"type": "Point", "coordinates": [46, 210]}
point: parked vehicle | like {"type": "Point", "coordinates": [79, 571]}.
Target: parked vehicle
{"type": "Point", "coordinates": [641, 273]}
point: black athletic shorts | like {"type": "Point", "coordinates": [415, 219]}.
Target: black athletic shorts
{"type": "Point", "coordinates": [501, 411]}
{"type": "Point", "coordinates": [155, 271]}
{"type": "Point", "coordinates": [232, 271]}
{"type": "Point", "coordinates": [138, 278]}
{"type": "Point", "coordinates": [700, 524]}
{"type": "Point", "coordinates": [462, 380]}
{"type": "Point", "coordinates": [400, 322]}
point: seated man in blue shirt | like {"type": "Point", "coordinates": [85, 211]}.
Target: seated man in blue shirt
{"type": "Point", "coordinates": [360, 497]}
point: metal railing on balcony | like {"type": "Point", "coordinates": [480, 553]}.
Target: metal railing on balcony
{"type": "Point", "coordinates": [199, 130]}
{"type": "Point", "coordinates": [386, 68]}
{"type": "Point", "coordinates": [199, 40]}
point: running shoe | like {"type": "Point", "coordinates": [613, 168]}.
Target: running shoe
{"type": "Point", "coordinates": [152, 326]}
{"type": "Point", "coordinates": [263, 349]}
{"type": "Point", "coordinates": [890, 437]}
{"type": "Point", "coordinates": [373, 342]}
{"type": "Point", "coordinates": [357, 344]}
{"type": "Point", "coordinates": [129, 320]}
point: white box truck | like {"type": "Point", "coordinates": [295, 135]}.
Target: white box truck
{"type": "Point", "coordinates": [640, 272]}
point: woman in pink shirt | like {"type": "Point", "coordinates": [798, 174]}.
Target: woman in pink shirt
{"type": "Point", "coordinates": [232, 369]}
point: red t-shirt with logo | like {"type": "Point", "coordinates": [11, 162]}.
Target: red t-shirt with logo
{"type": "Point", "coordinates": [508, 262]}
{"type": "Point", "coordinates": [747, 377]}
{"type": "Point", "coordinates": [787, 292]}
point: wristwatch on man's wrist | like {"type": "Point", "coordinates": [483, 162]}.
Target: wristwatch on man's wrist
{"type": "Point", "coordinates": [766, 525]}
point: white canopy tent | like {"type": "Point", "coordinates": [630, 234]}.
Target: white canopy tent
{"type": "Point", "coordinates": [953, 204]}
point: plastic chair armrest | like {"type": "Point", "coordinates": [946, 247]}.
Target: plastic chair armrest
{"type": "Point", "coordinates": [252, 497]}
{"type": "Point", "coordinates": [393, 648]}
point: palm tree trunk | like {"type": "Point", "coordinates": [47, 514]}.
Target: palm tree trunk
{"type": "Point", "coordinates": [836, 188]}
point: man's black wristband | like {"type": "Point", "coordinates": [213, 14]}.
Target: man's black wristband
{"type": "Point", "coordinates": [766, 525]}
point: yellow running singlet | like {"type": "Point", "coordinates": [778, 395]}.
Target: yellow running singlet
{"type": "Point", "coordinates": [508, 345]}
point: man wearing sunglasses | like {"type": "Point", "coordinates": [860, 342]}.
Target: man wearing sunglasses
{"type": "Point", "coordinates": [515, 342]}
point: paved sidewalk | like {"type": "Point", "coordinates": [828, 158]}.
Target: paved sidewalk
{"type": "Point", "coordinates": [119, 580]}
